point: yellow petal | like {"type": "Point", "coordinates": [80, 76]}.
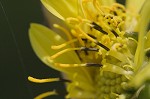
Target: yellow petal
{"type": "Point", "coordinates": [62, 8]}
{"type": "Point", "coordinates": [116, 69]}
{"type": "Point", "coordinates": [46, 94]}
{"type": "Point", "coordinates": [42, 38]}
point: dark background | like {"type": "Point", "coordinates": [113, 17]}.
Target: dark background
{"type": "Point", "coordinates": [17, 59]}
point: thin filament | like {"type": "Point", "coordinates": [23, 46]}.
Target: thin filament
{"type": "Point", "coordinates": [97, 6]}
{"type": "Point", "coordinates": [35, 80]}
{"type": "Point", "coordinates": [62, 52]}
{"type": "Point", "coordinates": [65, 31]}
{"type": "Point", "coordinates": [63, 45]}
{"type": "Point", "coordinates": [46, 94]}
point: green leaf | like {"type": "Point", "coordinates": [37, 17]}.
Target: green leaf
{"type": "Point", "coordinates": [145, 93]}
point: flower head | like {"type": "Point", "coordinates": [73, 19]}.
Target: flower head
{"type": "Point", "coordinates": [105, 51]}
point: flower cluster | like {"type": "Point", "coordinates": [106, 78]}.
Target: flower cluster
{"type": "Point", "coordinates": [102, 48]}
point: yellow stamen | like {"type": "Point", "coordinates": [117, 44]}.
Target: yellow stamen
{"type": "Point", "coordinates": [70, 65]}
{"type": "Point", "coordinates": [85, 9]}
{"type": "Point", "coordinates": [78, 65]}
{"type": "Point", "coordinates": [82, 9]}
{"type": "Point", "coordinates": [78, 37]}
{"type": "Point", "coordinates": [97, 6]}
{"type": "Point", "coordinates": [35, 80]}
{"type": "Point", "coordinates": [116, 5]}
{"type": "Point", "coordinates": [72, 20]}
{"type": "Point", "coordinates": [63, 45]}
{"type": "Point", "coordinates": [65, 31]}
{"type": "Point", "coordinates": [88, 37]}
{"type": "Point", "coordinates": [77, 20]}
{"type": "Point", "coordinates": [46, 94]}
{"type": "Point", "coordinates": [106, 8]}
{"type": "Point", "coordinates": [91, 39]}
{"type": "Point", "coordinates": [62, 52]}
{"type": "Point", "coordinates": [86, 21]}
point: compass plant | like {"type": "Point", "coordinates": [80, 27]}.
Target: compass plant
{"type": "Point", "coordinates": [105, 52]}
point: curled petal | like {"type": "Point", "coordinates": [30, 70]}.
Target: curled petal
{"type": "Point", "coordinates": [116, 69]}
{"type": "Point", "coordinates": [118, 56]}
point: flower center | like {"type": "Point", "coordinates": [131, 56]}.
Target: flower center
{"type": "Point", "coordinates": [98, 38]}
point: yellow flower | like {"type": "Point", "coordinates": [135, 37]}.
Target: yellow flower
{"type": "Point", "coordinates": [105, 52]}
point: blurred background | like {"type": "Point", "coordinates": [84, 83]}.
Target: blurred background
{"type": "Point", "coordinates": [17, 59]}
